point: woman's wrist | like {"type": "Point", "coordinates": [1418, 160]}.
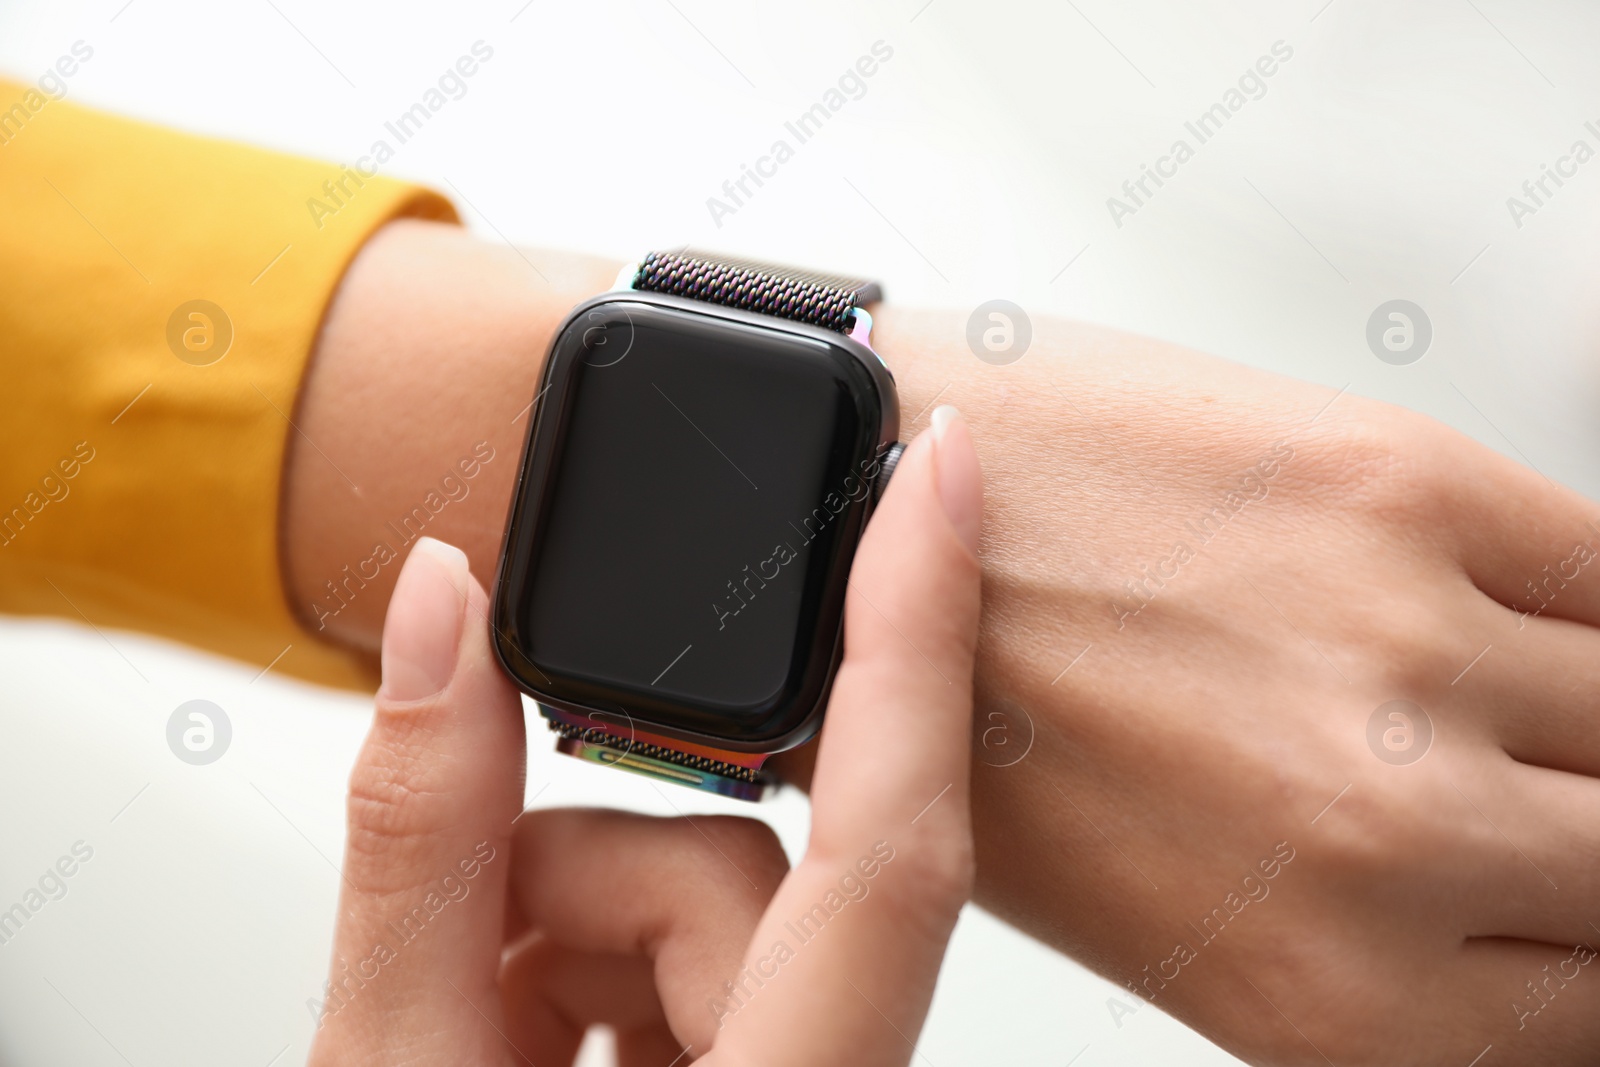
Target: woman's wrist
{"type": "Point", "coordinates": [412, 414]}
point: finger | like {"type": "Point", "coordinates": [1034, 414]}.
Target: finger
{"type": "Point", "coordinates": [684, 893]}
{"type": "Point", "coordinates": [1537, 688]}
{"type": "Point", "coordinates": [897, 733]}
{"type": "Point", "coordinates": [1532, 545]}
{"type": "Point", "coordinates": [857, 932]}
{"type": "Point", "coordinates": [1542, 828]}
{"type": "Point", "coordinates": [534, 1024]}
{"type": "Point", "coordinates": [652, 1045]}
{"type": "Point", "coordinates": [432, 798]}
{"type": "Point", "coordinates": [552, 994]}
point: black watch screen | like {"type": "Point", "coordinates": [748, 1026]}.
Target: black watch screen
{"type": "Point", "coordinates": [695, 483]}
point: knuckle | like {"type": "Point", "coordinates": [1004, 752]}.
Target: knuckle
{"type": "Point", "coordinates": [937, 874]}
{"type": "Point", "coordinates": [1358, 842]}
{"type": "Point", "coordinates": [388, 812]}
{"type": "Point", "coordinates": [1413, 643]}
{"type": "Point", "coordinates": [951, 873]}
{"type": "Point", "coordinates": [1380, 455]}
{"type": "Point", "coordinates": [1390, 829]}
{"type": "Point", "coordinates": [918, 884]}
{"type": "Point", "coordinates": [749, 844]}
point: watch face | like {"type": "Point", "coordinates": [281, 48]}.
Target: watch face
{"type": "Point", "coordinates": [694, 487]}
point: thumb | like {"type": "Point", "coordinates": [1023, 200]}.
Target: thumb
{"type": "Point", "coordinates": [860, 926]}
{"type": "Point", "coordinates": [432, 798]}
{"type": "Point", "coordinates": [899, 721]}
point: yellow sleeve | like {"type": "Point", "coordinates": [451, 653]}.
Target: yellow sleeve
{"type": "Point", "coordinates": [160, 295]}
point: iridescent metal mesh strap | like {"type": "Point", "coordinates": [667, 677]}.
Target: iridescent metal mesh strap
{"type": "Point", "coordinates": [824, 300]}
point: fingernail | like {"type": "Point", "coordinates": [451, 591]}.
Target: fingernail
{"type": "Point", "coordinates": [960, 479]}
{"type": "Point", "coordinates": [422, 633]}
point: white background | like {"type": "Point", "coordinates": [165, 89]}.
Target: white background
{"type": "Point", "coordinates": [977, 165]}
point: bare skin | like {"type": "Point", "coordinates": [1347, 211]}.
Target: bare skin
{"type": "Point", "coordinates": [1184, 731]}
{"type": "Point", "coordinates": [690, 937]}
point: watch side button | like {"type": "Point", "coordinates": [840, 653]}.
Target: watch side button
{"type": "Point", "coordinates": [890, 460]}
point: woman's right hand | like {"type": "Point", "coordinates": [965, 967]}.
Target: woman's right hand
{"type": "Point", "coordinates": [689, 936]}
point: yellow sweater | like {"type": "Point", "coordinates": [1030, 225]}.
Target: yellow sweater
{"type": "Point", "coordinates": [160, 295]}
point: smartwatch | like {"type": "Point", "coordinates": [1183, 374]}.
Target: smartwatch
{"type": "Point", "coordinates": [705, 447]}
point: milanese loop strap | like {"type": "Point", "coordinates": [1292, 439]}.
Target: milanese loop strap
{"type": "Point", "coordinates": [824, 300]}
